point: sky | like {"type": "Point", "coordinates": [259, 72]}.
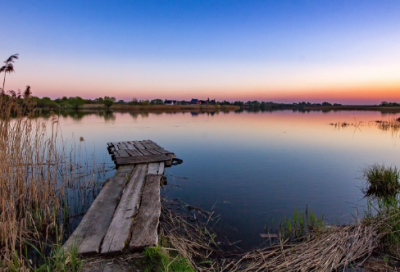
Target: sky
{"type": "Point", "coordinates": [283, 51]}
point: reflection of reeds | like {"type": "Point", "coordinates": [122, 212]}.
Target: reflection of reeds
{"type": "Point", "coordinates": [391, 125]}
{"type": "Point", "coordinates": [38, 181]}
{"type": "Point", "coordinates": [339, 125]}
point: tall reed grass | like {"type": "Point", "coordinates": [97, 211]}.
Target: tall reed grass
{"type": "Point", "coordinates": [40, 179]}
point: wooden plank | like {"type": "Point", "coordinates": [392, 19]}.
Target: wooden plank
{"type": "Point", "coordinates": [121, 153]}
{"type": "Point", "coordinates": [144, 228]}
{"type": "Point", "coordinates": [139, 146]}
{"type": "Point", "coordinates": [134, 152]}
{"type": "Point", "coordinates": [145, 152]}
{"type": "Point", "coordinates": [130, 146]}
{"type": "Point", "coordinates": [119, 231]}
{"type": "Point", "coordinates": [163, 151]}
{"type": "Point", "coordinates": [153, 151]}
{"type": "Point", "coordinates": [122, 146]}
{"type": "Point", "coordinates": [90, 232]}
{"type": "Point", "coordinates": [154, 143]}
{"type": "Point", "coordinates": [148, 146]}
{"type": "Point", "coordinates": [115, 144]}
{"type": "Point", "coordinates": [153, 168]}
{"type": "Point", "coordinates": [141, 159]}
{"type": "Point", "coordinates": [161, 169]}
{"type": "Point", "coordinates": [110, 144]}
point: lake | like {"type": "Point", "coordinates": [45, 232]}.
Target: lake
{"type": "Point", "coordinates": [253, 165]}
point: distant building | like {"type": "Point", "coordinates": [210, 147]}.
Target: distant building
{"type": "Point", "coordinates": [170, 102]}
{"type": "Point", "coordinates": [195, 102]}
{"type": "Point", "coordinates": [212, 102]}
{"type": "Point", "coordinates": [203, 102]}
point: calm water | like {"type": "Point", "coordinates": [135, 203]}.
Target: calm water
{"type": "Point", "coordinates": [254, 165]}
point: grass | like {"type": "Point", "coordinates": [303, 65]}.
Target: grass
{"type": "Point", "coordinates": [383, 188]}
{"type": "Point", "coordinates": [159, 259]}
{"type": "Point", "coordinates": [382, 182]}
{"type": "Point", "coordinates": [297, 226]}
{"type": "Point", "coordinates": [40, 180]}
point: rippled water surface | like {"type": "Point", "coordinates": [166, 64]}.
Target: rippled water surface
{"type": "Point", "coordinates": [254, 166]}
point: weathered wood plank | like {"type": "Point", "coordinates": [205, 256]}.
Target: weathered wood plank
{"type": "Point", "coordinates": [153, 151]}
{"type": "Point", "coordinates": [149, 146]}
{"type": "Point", "coordinates": [115, 144]}
{"type": "Point", "coordinates": [153, 168]}
{"type": "Point", "coordinates": [163, 151]}
{"type": "Point", "coordinates": [110, 144]}
{"type": "Point", "coordinates": [154, 143]}
{"type": "Point", "coordinates": [142, 159]}
{"type": "Point", "coordinates": [90, 232]}
{"type": "Point", "coordinates": [121, 153]}
{"type": "Point", "coordinates": [161, 169]}
{"type": "Point", "coordinates": [139, 146]}
{"type": "Point", "coordinates": [134, 152]}
{"type": "Point", "coordinates": [130, 146]}
{"type": "Point", "coordinates": [122, 146]}
{"type": "Point", "coordinates": [119, 231]}
{"type": "Point", "coordinates": [145, 152]}
{"type": "Point", "coordinates": [144, 228]}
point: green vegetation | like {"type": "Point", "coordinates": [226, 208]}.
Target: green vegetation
{"type": "Point", "coordinates": [383, 188]}
{"type": "Point", "coordinates": [108, 101]}
{"type": "Point", "coordinates": [389, 104]}
{"type": "Point", "coordinates": [297, 226]}
{"type": "Point", "coordinates": [382, 182]}
{"type": "Point", "coordinates": [57, 261]}
{"type": "Point", "coordinates": [159, 259]}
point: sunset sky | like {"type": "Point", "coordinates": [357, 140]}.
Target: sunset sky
{"type": "Point", "coordinates": [283, 51]}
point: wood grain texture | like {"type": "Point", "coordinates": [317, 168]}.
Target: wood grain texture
{"type": "Point", "coordinates": [144, 228]}
{"type": "Point", "coordinates": [134, 152]}
{"type": "Point", "coordinates": [153, 151]}
{"type": "Point", "coordinates": [119, 231]}
{"type": "Point", "coordinates": [153, 168]}
{"type": "Point", "coordinates": [141, 159]}
{"type": "Point", "coordinates": [145, 152]}
{"type": "Point", "coordinates": [93, 227]}
{"type": "Point", "coordinates": [161, 169]}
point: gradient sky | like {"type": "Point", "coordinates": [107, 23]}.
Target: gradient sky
{"type": "Point", "coordinates": [283, 51]}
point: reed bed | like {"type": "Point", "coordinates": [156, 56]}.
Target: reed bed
{"type": "Point", "coordinates": [336, 248]}
{"type": "Point", "coordinates": [330, 249]}
{"type": "Point", "coordinates": [39, 180]}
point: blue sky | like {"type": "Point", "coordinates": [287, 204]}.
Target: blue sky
{"type": "Point", "coordinates": [267, 50]}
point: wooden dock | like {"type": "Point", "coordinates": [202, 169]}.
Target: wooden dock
{"type": "Point", "coordinates": [125, 215]}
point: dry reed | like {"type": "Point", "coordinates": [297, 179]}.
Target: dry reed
{"type": "Point", "coordinates": [37, 179]}
{"type": "Point", "coordinates": [334, 248]}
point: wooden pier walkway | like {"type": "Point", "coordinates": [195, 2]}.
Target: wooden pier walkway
{"type": "Point", "coordinates": [125, 215]}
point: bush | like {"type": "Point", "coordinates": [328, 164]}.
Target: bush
{"type": "Point", "coordinates": [382, 182]}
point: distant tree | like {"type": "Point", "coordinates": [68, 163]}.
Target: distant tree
{"type": "Point", "coordinates": [76, 102]}
{"type": "Point", "coordinates": [156, 102]}
{"type": "Point", "coordinates": [109, 98]}
{"type": "Point", "coordinates": [326, 104]}
{"type": "Point", "coordinates": [108, 102]}
{"type": "Point", "coordinates": [8, 68]}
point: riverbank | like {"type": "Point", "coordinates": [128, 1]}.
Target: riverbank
{"type": "Point", "coordinates": [124, 107]}
{"type": "Point", "coordinates": [325, 108]}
